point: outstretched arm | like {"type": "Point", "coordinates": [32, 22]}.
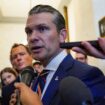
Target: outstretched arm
{"type": "Point", "coordinates": [92, 51]}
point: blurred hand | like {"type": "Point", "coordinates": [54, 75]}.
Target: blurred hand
{"type": "Point", "coordinates": [92, 51]}
{"type": "Point", "coordinates": [27, 96]}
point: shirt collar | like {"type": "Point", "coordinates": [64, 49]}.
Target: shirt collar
{"type": "Point", "coordinates": [55, 62]}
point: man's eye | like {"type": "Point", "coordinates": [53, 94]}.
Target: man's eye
{"type": "Point", "coordinates": [23, 53]}
{"type": "Point", "coordinates": [14, 57]}
{"type": "Point", "coordinates": [28, 31]}
{"type": "Point", "coordinates": [42, 28]}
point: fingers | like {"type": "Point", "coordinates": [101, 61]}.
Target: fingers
{"type": "Point", "coordinates": [90, 50]}
{"type": "Point", "coordinates": [102, 43]}
{"type": "Point", "coordinates": [27, 96]}
{"type": "Point", "coordinates": [20, 91]}
{"type": "Point", "coordinates": [93, 51]}
{"type": "Point", "coordinates": [78, 50]}
{"type": "Point", "coordinates": [13, 99]}
{"type": "Point", "coordinates": [15, 96]}
{"type": "Point", "coordinates": [19, 86]}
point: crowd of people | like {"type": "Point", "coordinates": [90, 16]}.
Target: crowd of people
{"type": "Point", "coordinates": [45, 29]}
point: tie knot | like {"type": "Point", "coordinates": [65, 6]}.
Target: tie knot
{"type": "Point", "coordinates": [44, 73]}
{"type": "Point", "coordinates": [39, 83]}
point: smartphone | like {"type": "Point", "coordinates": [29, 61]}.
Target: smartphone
{"type": "Point", "coordinates": [69, 45]}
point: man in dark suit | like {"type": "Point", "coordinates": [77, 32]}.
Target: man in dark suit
{"type": "Point", "coordinates": [45, 29]}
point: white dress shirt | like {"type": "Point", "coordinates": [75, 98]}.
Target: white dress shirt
{"type": "Point", "coordinates": [53, 66]}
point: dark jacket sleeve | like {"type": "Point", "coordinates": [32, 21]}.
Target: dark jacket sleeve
{"type": "Point", "coordinates": [93, 77]}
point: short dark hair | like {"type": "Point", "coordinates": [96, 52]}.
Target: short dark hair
{"type": "Point", "coordinates": [37, 63]}
{"type": "Point", "coordinates": [59, 20]}
{"type": "Point", "coordinates": [17, 45]}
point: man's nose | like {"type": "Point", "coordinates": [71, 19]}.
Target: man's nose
{"type": "Point", "coordinates": [18, 57]}
{"type": "Point", "coordinates": [34, 36]}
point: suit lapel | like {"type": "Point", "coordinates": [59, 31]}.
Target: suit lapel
{"type": "Point", "coordinates": [61, 72]}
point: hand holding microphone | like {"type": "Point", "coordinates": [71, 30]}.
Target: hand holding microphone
{"type": "Point", "coordinates": [27, 96]}
{"type": "Point", "coordinates": [26, 76]}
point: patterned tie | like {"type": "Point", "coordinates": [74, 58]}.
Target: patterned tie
{"type": "Point", "coordinates": [39, 83]}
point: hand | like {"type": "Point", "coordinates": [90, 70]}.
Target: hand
{"type": "Point", "coordinates": [92, 51]}
{"type": "Point", "coordinates": [27, 96]}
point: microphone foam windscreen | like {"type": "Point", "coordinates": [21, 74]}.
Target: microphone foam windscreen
{"type": "Point", "coordinates": [27, 75]}
{"type": "Point", "coordinates": [74, 92]}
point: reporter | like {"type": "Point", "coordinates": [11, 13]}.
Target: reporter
{"type": "Point", "coordinates": [27, 96]}
{"type": "Point", "coordinates": [92, 51]}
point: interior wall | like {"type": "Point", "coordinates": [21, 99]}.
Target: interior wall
{"type": "Point", "coordinates": [10, 33]}
{"type": "Point", "coordinates": [83, 23]}
{"type": "Point", "coordinates": [99, 13]}
{"type": "Point", "coordinates": [83, 16]}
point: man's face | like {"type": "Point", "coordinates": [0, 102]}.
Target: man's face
{"type": "Point", "coordinates": [80, 57]}
{"type": "Point", "coordinates": [20, 58]}
{"type": "Point", "coordinates": [38, 68]}
{"type": "Point", "coordinates": [42, 36]}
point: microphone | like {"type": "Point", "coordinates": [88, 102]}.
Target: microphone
{"type": "Point", "coordinates": [69, 45]}
{"type": "Point", "coordinates": [74, 92]}
{"type": "Point", "coordinates": [26, 76]}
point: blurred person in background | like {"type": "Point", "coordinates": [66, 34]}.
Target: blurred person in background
{"type": "Point", "coordinates": [8, 75]}
{"type": "Point", "coordinates": [20, 57]}
{"type": "Point", "coordinates": [81, 57]}
{"type": "Point", "coordinates": [38, 66]}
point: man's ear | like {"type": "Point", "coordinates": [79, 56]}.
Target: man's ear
{"type": "Point", "coordinates": [63, 34]}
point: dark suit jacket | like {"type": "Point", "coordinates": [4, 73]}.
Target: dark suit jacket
{"type": "Point", "coordinates": [90, 75]}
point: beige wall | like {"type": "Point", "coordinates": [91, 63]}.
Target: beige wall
{"type": "Point", "coordinates": [9, 33]}
{"type": "Point", "coordinates": [83, 18]}
{"type": "Point", "coordinates": [83, 23]}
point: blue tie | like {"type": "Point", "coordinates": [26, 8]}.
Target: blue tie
{"type": "Point", "coordinates": [39, 82]}
{"type": "Point", "coordinates": [42, 79]}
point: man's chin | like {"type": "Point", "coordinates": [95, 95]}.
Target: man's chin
{"type": "Point", "coordinates": [21, 68]}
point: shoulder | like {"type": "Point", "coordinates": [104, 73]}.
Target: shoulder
{"type": "Point", "coordinates": [84, 70]}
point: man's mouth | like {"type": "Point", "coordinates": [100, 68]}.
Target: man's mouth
{"type": "Point", "coordinates": [36, 48]}
{"type": "Point", "coordinates": [20, 64]}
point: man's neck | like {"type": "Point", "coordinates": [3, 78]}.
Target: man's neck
{"type": "Point", "coordinates": [47, 61]}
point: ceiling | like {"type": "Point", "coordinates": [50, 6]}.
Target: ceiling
{"type": "Point", "coordinates": [16, 10]}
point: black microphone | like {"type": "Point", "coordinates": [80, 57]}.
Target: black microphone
{"type": "Point", "coordinates": [74, 92]}
{"type": "Point", "coordinates": [26, 76]}
{"type": "Point", "coordinates": [69, 45]}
